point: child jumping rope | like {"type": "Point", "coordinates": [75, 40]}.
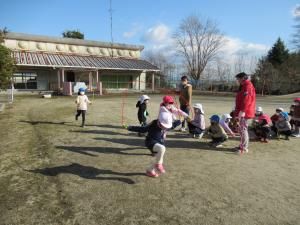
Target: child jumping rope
{"type": "Point", "coordinates": [155, 140]}
{"type": "Point", "coordinates": [82, 101]}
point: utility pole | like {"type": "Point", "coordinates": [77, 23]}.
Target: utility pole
{"type": "Point", "coordinates": [111, 27]}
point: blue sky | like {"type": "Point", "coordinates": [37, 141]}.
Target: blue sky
{"type": "Point", "coordinates": [254, 24]}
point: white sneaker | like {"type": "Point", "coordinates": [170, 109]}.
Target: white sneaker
{"type": "Point", "coordinates": [182, 129]}
{"type": "Point", "coordinates": [296, 135]}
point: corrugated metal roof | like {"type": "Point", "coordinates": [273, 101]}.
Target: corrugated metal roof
{"type": "Point", "coordinates": [43, 59]}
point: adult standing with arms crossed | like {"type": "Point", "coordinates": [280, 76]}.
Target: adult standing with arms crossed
{"type": "Point", "coordinates": [245, 104]}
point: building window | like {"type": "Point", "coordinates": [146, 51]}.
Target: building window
{"type": "Point", "coordinates": [117, 81]}
{"type": "Point", "coordinates": [25, 81]}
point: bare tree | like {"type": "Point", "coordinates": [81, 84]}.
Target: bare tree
{"type": "Point", "coordinates": [167, 69]}
{"type": "Point", "coordinates": [198, 42]}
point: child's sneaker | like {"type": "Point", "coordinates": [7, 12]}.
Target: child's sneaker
{"type": "Point", "coordinates": [182, 129]}
{"type": "Point", "coordinates": [151, 173]}
{"type": "Point", "coordinates": [296, 135]}
{"type": "Point", "coordinates": [160, 168]}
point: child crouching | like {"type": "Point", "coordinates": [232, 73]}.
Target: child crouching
{"type": "Point", "coordinates": [155, 140]}
{"type": "Point", "coordinates": [283, 125]}
{"type": "Point", "coordinates": [197, 125]}
{"type": "Point", "coordinates": [216, 132]}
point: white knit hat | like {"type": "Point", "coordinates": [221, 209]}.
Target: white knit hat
{"type": "Point", "coordinates": [226, 116]}
{"type": "Point", "coordinates": [259, 109]}
{"type": "Point", "coordinates": [165, 119]}
{"type": "Point", "coordinates": [199, 106]}
{"type": "Point", "coordinates": [144, 98]}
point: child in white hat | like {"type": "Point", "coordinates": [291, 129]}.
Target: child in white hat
{"type": "Point", "coordinates": [155, 140]}
{"type": "Point", "coordinates": [197, 125]}
{"type": "Point", "coordinates": [224, 122]}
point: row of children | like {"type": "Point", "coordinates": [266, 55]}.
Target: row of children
{"type": "Point", "coordinates": [280, 124]}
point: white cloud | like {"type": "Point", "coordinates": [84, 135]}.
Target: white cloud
{"type": "Point", "coordinates": [157, 34]}
{"type": "Point", "coordinates": [296, 11]}
{"type": "Point", "coordinates": [136, 28]}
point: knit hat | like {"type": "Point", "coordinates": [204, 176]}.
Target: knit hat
{"type": "Point", "coordinates": [285, 115]}
{"type": "Point", "coordinates": [165, 119]}
{"type": "Point", "coordinates": [215, 118]}
{"type": "Point", "coordinates": [199, 106]}
{"type": "Point", "coordinates": [280, 109]}
{"type": "Point", "coordinates": [168, 99]}
{"type": "Point", "coordinates": [144, 98]}
{"type": "Point", "coordinates": [259, 109]}
{"type": "Point", "coordinates": [226, 116]}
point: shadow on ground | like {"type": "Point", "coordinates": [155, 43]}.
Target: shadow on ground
{"type": "Point", "coordinates": [104, 150]}
{"type": "Point", "coordinates": [86, 172]}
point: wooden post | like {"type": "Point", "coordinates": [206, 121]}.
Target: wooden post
{"type": "Point", "coordinates": [153, 82]}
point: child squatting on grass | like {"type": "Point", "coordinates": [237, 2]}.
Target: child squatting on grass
{"type": "Point", "coordinates": [216, 132]}
{"type": "Point", "coordinates": [197, 125]}
{"type": "Point", "coordinates": [283, 125]}
{"type": "Point", "coordinates": [82, 101]}
{"type": "Point", "coordinates": [142, 110]}
{"type": "Point", "coordinates": [155, 140]}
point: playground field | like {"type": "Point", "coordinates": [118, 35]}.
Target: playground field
{"type": "Point", "coordinates": [54, 172]}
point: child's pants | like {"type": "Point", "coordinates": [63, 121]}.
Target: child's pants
{"type": "Point", "coordinates": [243, 131]}
{"type": "Point", "coordinates": [262, 132]}
{"type": "Point", "coordinates": [193, 129]}
{"type": "Point", "coordinates": [82, 112]}
{"type": "Point", "coordinates": [218, 140]}
{"type": "Point", "coordinates": [185, 109]}
{"type": "Point", "coordinates": [159, 157]}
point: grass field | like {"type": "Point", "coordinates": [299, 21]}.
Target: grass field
{"type": "Point", "coordinates": [54, 172]}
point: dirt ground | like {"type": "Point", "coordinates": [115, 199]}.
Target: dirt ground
{"type": "Point", "coordinates": [54, 172]}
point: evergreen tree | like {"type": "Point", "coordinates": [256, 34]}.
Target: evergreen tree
{"type": "Point", "coordinates": [7, 63]}
{"type": "Point", "coordinates": [278, 54]}
{"type": "Point", "coordinates": [73, 34]}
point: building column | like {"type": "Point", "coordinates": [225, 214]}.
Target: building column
{"type": "Point", "coordinates": [58, 79]}
{"type": "Point", "coordinates": [153, 81]}
{"type": "Point", "coordinates": [62, 75]}
{"type": "Point", "coordinates": [90, 80]}
{"type": "Point", "coordinates": [97, 76]}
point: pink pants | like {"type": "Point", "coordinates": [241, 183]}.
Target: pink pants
{"type": "Point", "coordinates": [243, 131]}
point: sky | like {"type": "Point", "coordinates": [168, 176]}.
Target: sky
{"type": "Point", "coordinates": [249, 26]}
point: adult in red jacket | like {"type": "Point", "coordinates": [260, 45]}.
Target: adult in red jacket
{"type": "Point", "coordinates": [244, 108]}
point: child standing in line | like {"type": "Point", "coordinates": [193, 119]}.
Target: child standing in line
{"type": "Point", "coordinates": [291, 114]}
{"type": "Point", "coordinates": [155, 140]}
{"type": "Point", "coordinates": [283, 125]}
{"type": "Point", "coordinates": [142, 112]}
{"type": "Point", "coordinates": [197, 125]}
{"type": "Point", "coordinates": [82, 101]}
{"type": "Point", "coordinates": [216, 132]}
{"type": "Point", "coordinates": [168, 106]}
{"type": "Point", "coordinates": [296, 117]}
{"type": "Point", "coordinates": [224, 122]}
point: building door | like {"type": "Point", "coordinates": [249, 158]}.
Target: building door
{"type": "Point", "coordinates": [70, 76]}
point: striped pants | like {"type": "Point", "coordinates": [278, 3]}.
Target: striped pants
{"type": "Point", "coordinates": [243, 131]}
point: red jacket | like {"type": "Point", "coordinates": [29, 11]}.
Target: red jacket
{"type": "Point", "coordinates": [246, 99]}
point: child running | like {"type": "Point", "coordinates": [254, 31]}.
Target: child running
{"type": "Point", "coordinates": [155, 140]}
{"type": "Point", "coordinates": [197, 125]}
{"type": "Point", "coordinates": [283, 125]}
{"type": "Point", "coordinates": [82, 101]}
{"type": "Point", "coordinates": [216, 132]}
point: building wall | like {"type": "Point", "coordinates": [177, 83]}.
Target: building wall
{"type": "Point", "coordinates": [45, 77]}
